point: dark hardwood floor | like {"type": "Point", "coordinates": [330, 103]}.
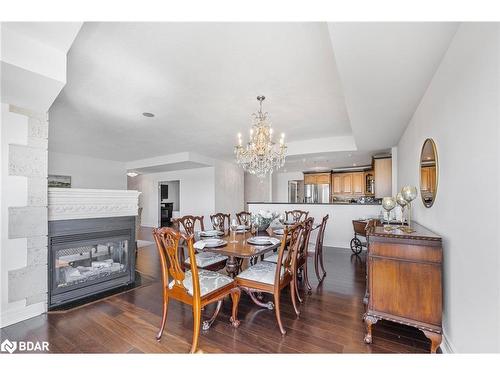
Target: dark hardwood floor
{"type": "Point", "coordinates": [330, 320]}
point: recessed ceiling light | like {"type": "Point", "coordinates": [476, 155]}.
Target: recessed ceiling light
{"type": "Point", "coordinates": [148, 114]}
{"type": "Point", "coordinates": [132, 174]}
{"type": "Point", "coordinates": [354, 164]}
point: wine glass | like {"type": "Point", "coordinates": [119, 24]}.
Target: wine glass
{"type": "Point", "coordinates": [401, 203]}
{"type": "Point", "coordinates": [388, 204]}
{"type": "Point", "coordinates": [409, 193]}
{"type": "Point", "coordinates": [234, 227]}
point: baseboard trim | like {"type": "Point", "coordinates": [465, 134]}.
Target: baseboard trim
{"type": "Point", "coordinates": [446, 345]}
{"type": "Point", "coordinates": [14, 316]}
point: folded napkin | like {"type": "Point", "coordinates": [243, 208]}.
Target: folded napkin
{"type": "Point", "coordinates": [199, 245]}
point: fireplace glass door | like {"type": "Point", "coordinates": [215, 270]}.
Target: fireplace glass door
{"type": "Point", "coordinates": [76, 265]}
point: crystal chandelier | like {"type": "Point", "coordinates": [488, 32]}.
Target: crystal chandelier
{"type": "Point", "coordinates": [261, 155]}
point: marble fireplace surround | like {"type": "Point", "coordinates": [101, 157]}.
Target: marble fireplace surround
{"type": "Point", "coordinates": [67, 204]}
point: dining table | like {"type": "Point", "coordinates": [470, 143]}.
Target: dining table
{"type": "Point", "coordinates": [238, 249]}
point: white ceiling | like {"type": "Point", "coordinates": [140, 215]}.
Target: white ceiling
{"type": "Point", "coordinates": [385, 69]}
{"type": "Point", "coordinates": [201, 79]}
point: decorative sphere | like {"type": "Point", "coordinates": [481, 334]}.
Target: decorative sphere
{"type": "Point", "coordinates": [409, 193]}
{"type": "Point", "coordinates": [388, 203]}
{"type": "Point", "coordinates": [400, 200]}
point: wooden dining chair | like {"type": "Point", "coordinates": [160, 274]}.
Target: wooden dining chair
{"type": "Point", "coordinates": [244, 217]}
{"type": "Point", "coordinates": [268, 277]}
{"type": "Point", "coordinates": [296, 215]}
{"type": "Point", "coordinates": [301, 261]}
{"type": "Point", "coordinates": [302, 253]}
{"type": "Point", "coordinates": [205, 259]}
{"type": "Point", "coordinates": [219, 221]}
{"type": "Point", "coordinates": [318, 251]}
{"type": "Point", "coordinates": [197, 288]}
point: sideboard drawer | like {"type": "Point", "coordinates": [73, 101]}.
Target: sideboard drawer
{"type": "Point", "coordinates": [409, 252]}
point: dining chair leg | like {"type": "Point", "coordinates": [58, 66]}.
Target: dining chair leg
{"type": "Point", "coordinates": [293, 293]}
{"type": "Point", "coordinates": [235, 296]}
{"type": "Point", "coordinates": [321, 263]}
{"type": "Point", "coordinates": [278, 315]}
{"type": "Point", "coordinates": [316, 264]}
{"type": "Point", "coordinates": [196, 326]}
{"type": "Point", "coordinates": [306, 277]}
{"type": "Point", "coordinates": [295, 281]}
{"type": "Point", "coordinates": [163, 317]}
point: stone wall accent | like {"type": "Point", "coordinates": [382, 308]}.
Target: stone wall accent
{"type": "Point", "coordinates": [30, 160]}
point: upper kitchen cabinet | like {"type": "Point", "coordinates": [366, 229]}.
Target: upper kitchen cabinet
{"type": "Point", "coordinates": [383, 177]}
{"type": "Point", "coordinates": [316, 178]}
{"type": "Point", "coordinates": [337, 183]}
{"type": "Point", "coordinates": [358, 183]}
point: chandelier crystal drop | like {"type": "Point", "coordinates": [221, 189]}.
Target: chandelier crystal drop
{"type": "Point", "coordinates": [260, 156]}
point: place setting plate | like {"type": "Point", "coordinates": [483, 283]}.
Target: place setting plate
{"type": "Point", "coordinates": [242, 229]}
{"type": "Point", "coordinates": [211, 233]}
{"type": "Point", "coordinates": [210, 243]}
{"type": "Point", "coordinates": [261, 241]}
{"type": "Point", "coordinates": [279, 231]}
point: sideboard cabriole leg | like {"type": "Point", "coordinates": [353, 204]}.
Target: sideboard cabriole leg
{"type": "Point", "coordinates": [435, 338]}
{"type": "Point", "coordinates": [370, 321]}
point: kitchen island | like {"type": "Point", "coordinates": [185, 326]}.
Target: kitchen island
{"type": "Point", "coordinates": [339, 230]}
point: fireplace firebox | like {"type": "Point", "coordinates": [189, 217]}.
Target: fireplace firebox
{"type": "Point", "coordinates": [89, 256]}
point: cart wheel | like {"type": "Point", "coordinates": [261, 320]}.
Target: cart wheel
{"type": "Point", "coordinates": [356, 246]}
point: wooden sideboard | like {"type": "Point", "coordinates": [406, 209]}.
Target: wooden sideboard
{"type": "Point", "coordinates": [404, 280]}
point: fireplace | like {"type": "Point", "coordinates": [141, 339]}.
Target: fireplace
{"type": "Point", "coordinates": [89, 256]}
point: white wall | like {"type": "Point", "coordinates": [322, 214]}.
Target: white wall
{"type": "Point", "coordinates": [257, 189]}
{"type": "Point", "coordinates": [89, 172]}
{"type": "Point", "coordinates": [460, 112]}
{"type": "Point", "coordinates": [197, 194]}
{"type": "Point", "coordinates": [229, 187]}
{"type": "Point", "coordinates": [280, 184]}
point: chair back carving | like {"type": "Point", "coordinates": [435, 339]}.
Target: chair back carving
{"type": "Point", "coordinates": [244, 218]}
{"type": "Point", "coordinates": [296, 215]}
{"type": "Point", "coordinates": [167, 242]}
{"type": "Point", "coordinates": [188, 224]}
{"type": "Point", "coordinates": [220, 220]}
{"type": "Point", "coordinates": [321, 233]}
{"type": "Point", "coordinates": [304, 245]}
{"type": "Point", "coordinates": [292, 238]}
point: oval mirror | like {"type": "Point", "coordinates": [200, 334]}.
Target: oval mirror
{"type": "Point", "coordinates": [428, 172]}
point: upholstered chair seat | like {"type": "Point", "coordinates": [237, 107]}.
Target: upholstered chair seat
{"type": "Point", "coordinates": [209, 281]}
{"type": "Point", "coordinates": [262, 272]}
{"type": "Point", "coordinates": [206, 258]}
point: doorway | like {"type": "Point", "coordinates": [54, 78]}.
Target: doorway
{"type": "Point", "coordinates": [169, 202]}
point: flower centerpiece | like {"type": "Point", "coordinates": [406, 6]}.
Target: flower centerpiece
{"type": "Point", "coordinates": [263, 219]}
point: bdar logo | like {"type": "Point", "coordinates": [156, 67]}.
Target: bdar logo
{"type": "Point", "coordinates": [8, 346]}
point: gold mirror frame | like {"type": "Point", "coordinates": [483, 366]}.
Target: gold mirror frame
{"type": "Point", "coordinates": [435, 187]}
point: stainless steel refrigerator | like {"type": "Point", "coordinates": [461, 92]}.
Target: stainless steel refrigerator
{"type": "Point", "coordinates": [296, 191]}
{"type": "Point", "coordinates": [317, 193]}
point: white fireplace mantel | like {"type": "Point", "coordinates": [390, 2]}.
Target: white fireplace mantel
{"type": "Point", "coordinates": [66, 204]}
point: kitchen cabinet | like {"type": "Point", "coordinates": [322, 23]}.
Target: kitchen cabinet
{"type": "Point", "coordinates": [358, 183]}
{"type": "Point", "coordinates": [337, 183]}
{"type": "Point", "coordinates": [347, 183]}
{"type": "Point", "coordinates": [383, 177]}
{"type": "Point", "coordinates": [316, 178]}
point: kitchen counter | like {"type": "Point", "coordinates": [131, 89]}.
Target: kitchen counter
{"type": "Point", "coordinates": [339, 230]}
{"type": "Point", "coordinates": [327, 204]}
